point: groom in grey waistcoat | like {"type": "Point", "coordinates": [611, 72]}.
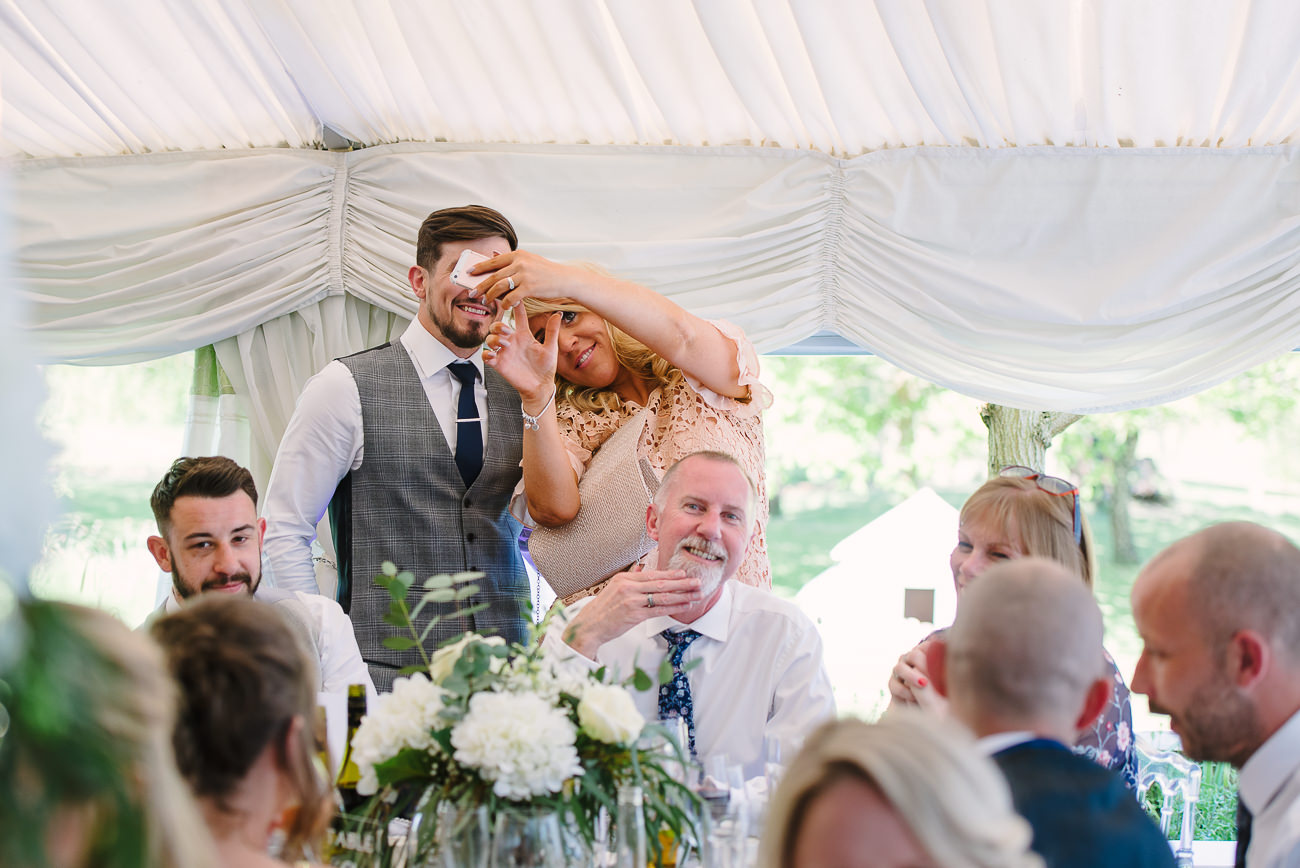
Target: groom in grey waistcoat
{"type": "Point", "coordinates": [414, 448]}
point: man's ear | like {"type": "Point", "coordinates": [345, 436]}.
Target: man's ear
{"type": "Point", "coordinates": [161, 553]}
{"type": "Point", "coordinates": [1249, 658]}
{"type": "Point", "coordinates": [418, 278]}
{"type": "Point", "coordinates": [936, 662]}
{"type": "Point", "coordinates": [652, 522]}
{"type": "Point", "coordinates": [261, 531]}
{"type": "Point", "coordinates": [1094, 702]}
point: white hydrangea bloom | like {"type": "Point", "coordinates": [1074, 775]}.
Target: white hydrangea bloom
{"type": "Point", "coordinates": [520, 742]}
{"type": "Point", "coordinates": [546, 678]}
{"type": "Point", "coordinates": [403, 718]}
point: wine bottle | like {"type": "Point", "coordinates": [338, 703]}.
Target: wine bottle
{"type": "Point", "coordinates": [349, 775]}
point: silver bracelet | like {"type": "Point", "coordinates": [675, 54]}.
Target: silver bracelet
{"type": "Point", "coordinates": [534, 423]}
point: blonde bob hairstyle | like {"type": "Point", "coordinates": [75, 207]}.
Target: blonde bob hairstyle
{"type": "Point", "coordinates": [630, 352]}
{"type": "Point", "coordinates": [952, 798]}
{"type": "Point", "coordinates": [1042, 522]}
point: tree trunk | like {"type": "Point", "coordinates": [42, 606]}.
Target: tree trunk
{"type": "Point", "coordinates": [1021, 436]}
{"type": "Point", "coordinates": [1124, 550]}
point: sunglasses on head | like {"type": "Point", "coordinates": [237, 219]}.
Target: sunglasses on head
{"type": "Point", "coordinates": [1052, 485]}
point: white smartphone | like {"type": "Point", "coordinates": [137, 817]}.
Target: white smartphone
{"type": "Point", "coordinates": [460, 273]}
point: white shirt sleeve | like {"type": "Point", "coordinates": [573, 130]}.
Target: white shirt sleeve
{"type": "Point", "coordinates": [323, 441]}
{"type": "Point", "coordinates": [561, 653]}
{"type": "Point", "coordinates": [340, 659]}
{"type": "Point", "coordinates": [803, 698]}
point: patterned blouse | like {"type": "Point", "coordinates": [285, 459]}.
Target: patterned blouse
{"type": "Point", "coordinates": [1109, 741]}
{"type": "Point", "coordinates": [689, 417]}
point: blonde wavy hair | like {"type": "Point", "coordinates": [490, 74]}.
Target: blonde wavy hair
{"type": "Point", "coordinates": [1043, 522]}
{"type": "Point", "coordinates": [630, 352]}
{"type": "Point", "coordinates": [952, 798]}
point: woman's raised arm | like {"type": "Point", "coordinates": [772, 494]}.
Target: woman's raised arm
{"type": "Point", "coordinates": [685, 340]}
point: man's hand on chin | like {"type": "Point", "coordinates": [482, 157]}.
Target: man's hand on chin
{"type": "Point", "coordinates": [627, 600]}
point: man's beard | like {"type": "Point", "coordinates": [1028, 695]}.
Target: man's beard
{"type": "Point", "coordinates": [183, 590]}
{"type": "Point", "coordinates": [467, 338]}
{"type": "Point", "coordinates": [1218, 725]}
{"type": "Point", "coordinates": [709, 574]}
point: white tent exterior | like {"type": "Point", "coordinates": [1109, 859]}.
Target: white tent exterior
{"type": "Point", "coordinates": [1067, 205]}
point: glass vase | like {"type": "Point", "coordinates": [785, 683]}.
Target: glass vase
{"type": "Point", "coordinates": [446, 835]}
{"type": "Point", "coordinates": [527, 837]}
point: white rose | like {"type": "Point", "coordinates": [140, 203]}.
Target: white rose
{"type": "Point", "coordinates": [607, 713]}
{"type": "Point", "coordinates": [444, 659]}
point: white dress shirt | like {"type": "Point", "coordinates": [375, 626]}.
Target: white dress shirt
{"type": "Point", "coordinates": [1269, 785]}
{"type": "Point", "coordinates": [339, 663]}
{"type": "Point", "coordinates": [324, 441]}
{"type": "Point", "coordinates": [760, 672]}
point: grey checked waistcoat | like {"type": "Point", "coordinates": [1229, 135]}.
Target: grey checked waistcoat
{"type": "Point", "coordinates": [407, 504]}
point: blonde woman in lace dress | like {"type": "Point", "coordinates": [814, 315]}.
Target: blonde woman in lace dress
{"type": "Point", "coordinates": [596, 351]}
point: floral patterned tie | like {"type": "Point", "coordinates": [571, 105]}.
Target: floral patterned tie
{"type": "Point", "coordinates": [675, 695]}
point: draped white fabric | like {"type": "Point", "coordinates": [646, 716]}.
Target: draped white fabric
{"type": "Point", "coordinates": [1077, 205]}
{"type": "Point", "coordinates": [1059, 278]}
{"type": "Point", "coordinates": [840, 76]}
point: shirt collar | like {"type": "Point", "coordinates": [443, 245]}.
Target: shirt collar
{"type": "Point", "coordinates": [713, 623]}
{"type": "Point", "coordinates": [1269, 767]}
{"type": "Point", "coordinates": [430, 355]}
{"type": "Point", "coordinates": [1000, 741]}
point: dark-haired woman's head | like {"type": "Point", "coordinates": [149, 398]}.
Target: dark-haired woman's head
{"type": "Point", "coordinates": [247, 692]}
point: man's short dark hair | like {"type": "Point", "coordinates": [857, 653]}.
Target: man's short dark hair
{"type": "Point", "coordinates": [466, 223]}
{"type": "Point", "coordinates": [210, 476]}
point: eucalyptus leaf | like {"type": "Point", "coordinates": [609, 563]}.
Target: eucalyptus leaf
{"type": "Point", "coordinates": [442, 580]}
{"type": "Point", "coordinates": [666, 671]}
{"type": "Point", "coordinates": [466, 591]}
{"type": "Point", "coordinates": [399, 643]}
{"type": "Point", "coordinates": [388, 568]}
{"type": "Point", "coordinates": [641, 681]}
{"type": "Point", "coordinates": [439, 595]}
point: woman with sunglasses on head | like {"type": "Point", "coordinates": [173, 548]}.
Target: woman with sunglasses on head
{"type": "Point", "coordinates": [588, 352]}
{"type": "Point", "coordinates": [1017, 514]}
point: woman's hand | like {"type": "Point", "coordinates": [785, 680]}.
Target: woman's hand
{"type": "Point", "coordinates": [519, 274]}
{"type": "Point", "coordinates": [909, 684]}
{"type": "Point", "coordinates": [527, 365]}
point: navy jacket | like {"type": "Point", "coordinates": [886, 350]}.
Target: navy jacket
{"type": "Point", "coordinates": [1082, 814]}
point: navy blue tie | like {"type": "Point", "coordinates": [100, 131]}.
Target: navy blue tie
{"type": "Point", "coordinates": [1243, 833]}
{"type": "Point", "coordinates": [469, 428]}
{"type": "Point", "coordinates": [675, 695]}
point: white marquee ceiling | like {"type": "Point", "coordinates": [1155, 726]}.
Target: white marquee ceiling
{"type": "Point", "coordinates": [1073, 204]}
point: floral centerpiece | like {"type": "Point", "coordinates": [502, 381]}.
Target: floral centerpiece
{"type": "Point", "coordinates": [502, 726]}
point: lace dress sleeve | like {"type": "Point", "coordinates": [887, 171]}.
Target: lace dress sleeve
{"type": "Point", "coordinates": [760, 398]}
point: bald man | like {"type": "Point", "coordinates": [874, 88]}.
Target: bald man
{"type": "Point", "coordinates": [1024, 669]}
{"type": "Point", "coordinates": [1219, 617]}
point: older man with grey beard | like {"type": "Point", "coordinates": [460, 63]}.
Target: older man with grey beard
{"type": "Point", "coordinates": [742, 664]}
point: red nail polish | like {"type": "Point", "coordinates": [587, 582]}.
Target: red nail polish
{"type": "Point", "coordinates": [921, 681]}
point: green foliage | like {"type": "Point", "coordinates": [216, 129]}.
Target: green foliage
{"type": "Point", "coordinates": [884, 427]}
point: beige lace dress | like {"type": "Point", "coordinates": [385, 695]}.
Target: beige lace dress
{"type": "Point", "coordinates": [689, 417]}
